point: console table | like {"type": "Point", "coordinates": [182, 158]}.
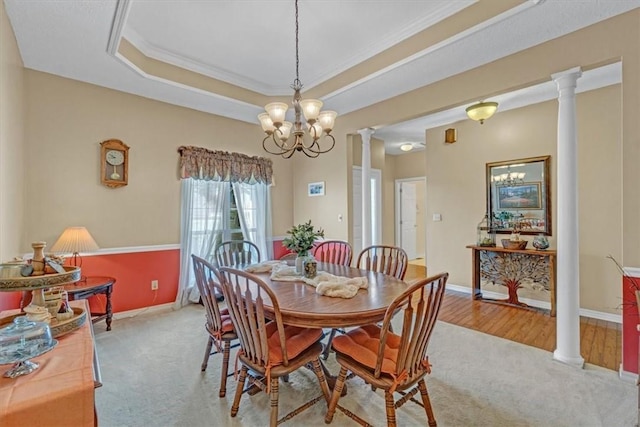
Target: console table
{"type": "Point", "coordinates": [94, 285]}
{"type": "Point", "coordinates": [61, 390]}
{"type": "Point", "coordinates": [509, 267]}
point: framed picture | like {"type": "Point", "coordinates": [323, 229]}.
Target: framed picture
{"type": "Point", "coordinates": [521, 196]}
{"type": "Point", "coordinates": [315, 189]}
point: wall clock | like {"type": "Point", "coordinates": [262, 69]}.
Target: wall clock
{"type": "Point", "coordinates": [114, 163]}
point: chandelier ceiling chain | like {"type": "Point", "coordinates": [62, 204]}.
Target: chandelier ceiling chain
{"type": "Point", "coordinates": [319, 123]}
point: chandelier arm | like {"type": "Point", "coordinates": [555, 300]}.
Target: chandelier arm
{"type": "Point", "coordinates": [320, 150]}
{"type": "Point", "coordinates": [310, 153]}
{"type": "Point", "coordinates": [288, 154]}
{"type": "Point", "coordinates": [281, 150]}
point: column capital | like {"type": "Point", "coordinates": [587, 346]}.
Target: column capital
{"type": "Point", "coordinates": [366, 134]}
{"type": "Point", "coordinates": [567, 78]}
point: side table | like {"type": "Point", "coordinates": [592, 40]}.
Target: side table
{"type": "Point", "coordinates": [93, 285]}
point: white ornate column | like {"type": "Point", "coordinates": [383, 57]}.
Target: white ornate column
{"type": "Point", "coordinates": [568, 268]}
{"type": "Point", "coordinates": [366, 186]}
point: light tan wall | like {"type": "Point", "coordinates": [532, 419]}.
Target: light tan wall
{"type": "Point", "coordinates": [602, 43]}
{"type": "Point", "coordinates": [12, 122]}
{"type": "Point", "coordinates": [410, 165]}
{"type": "Point", "coordinates": [67, 121]}
{"type": "Point", "coordinates": [457, 189]}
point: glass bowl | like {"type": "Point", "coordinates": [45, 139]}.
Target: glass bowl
{"type": "Point", "coordinates": [21, 341]}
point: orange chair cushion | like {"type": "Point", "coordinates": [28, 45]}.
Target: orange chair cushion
{"type": "Point", "coordinates": [362, 345]}
{"type": "Point", "coordinates": [297, 340]}
{"type": "Point", "coordinates": [227, 324]}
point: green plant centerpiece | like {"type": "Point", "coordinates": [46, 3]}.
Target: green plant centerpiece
{"type": "Point", "coordinates": [301, 237]}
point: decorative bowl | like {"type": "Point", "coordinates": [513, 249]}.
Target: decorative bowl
{"type": "Point", "coordinates": [58, 327]}
{"type": "Point", "coordinates": [11, 280]}
{"type": "Point", "coordinates": [514, 244]}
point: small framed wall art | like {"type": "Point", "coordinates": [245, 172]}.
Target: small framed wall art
{"type": "Point", "coordinates": [315, 189]}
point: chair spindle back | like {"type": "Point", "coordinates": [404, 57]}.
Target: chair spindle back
{"type": "Point", "coordinates": [390, 260]}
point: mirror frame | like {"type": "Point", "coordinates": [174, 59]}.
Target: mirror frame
{"type": "Point", "coordinates": [544, 197]}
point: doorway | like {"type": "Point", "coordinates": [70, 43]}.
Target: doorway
{"type": "Point", "coordinates": [376, 208]}
{"type": "Point", "coordinates": [411, 209]}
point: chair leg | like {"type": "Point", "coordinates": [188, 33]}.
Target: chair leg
{"type": "Point", "coordinates": [337, 390]}
{"type": "Point", "coordinates": [427, 403]}
{"type": "Point", "coordinates": [391, 409]}
{"type": "Point", "coordinates": [273, 421]}
{"type": "Point", "coordinates": [317, 368]}
{"type": "Point", "coordinates": [239, 387]}
{"type": "Point", "coordinates": [327, 348]}
{"type": "Point", "coordinates": [207, 353]}
{"type": "Point", "coordinates": [225, 369]}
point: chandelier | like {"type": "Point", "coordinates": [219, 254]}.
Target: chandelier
{"type": "Point", "coordinates": [318, 123]}
{"type": "Point", "coordinates": [509, 178]}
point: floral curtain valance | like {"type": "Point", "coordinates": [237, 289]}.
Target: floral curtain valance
{"type": "Point", "coordinates": [200, 163]}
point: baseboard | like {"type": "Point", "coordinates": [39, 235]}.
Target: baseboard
{"type": "Point", "coordinates": [151, 309]}
{"type": "Point", "coordinates": [615, 318]}
{"type": "Point", "coordinates": [628, 377]}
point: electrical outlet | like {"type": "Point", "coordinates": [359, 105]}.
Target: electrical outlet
{"type": "Point", "coordinates": [154, 285]}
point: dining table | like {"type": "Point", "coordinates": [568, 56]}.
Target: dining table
{"type": "Point", "coordinates": [301, 306]}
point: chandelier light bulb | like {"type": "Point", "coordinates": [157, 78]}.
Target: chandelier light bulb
{"type": "Point", "coordinates": [277, 112]}
{"type": "Point", "coordinates": [315, 130]}
{"type": "Point", "coordinates": [327, 120]}
{"type": "Point", "coordinates": [284, 131]}
{"type": "Point", "coordinates": [267, 124]}
{"type": "Point", "coordinates": [311, 109]}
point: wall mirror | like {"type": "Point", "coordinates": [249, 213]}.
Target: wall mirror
{"type": "Point", "coordinates": [518, 195]}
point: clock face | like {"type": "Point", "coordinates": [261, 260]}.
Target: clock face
{"type": "Point", "coordinates": [115, 157]}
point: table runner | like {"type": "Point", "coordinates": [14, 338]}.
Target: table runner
{"type": "Point", "coordinates": [61, 391]}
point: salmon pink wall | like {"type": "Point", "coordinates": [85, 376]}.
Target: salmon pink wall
{"type": "Point", "coordinates": [630, 322]}
{"type": "Point", "coordinates": [133, 272]}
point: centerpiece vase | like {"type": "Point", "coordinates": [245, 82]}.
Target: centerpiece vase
{"type": "Point", "coordinates": [302, 256]}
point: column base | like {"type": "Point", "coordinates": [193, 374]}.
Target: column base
{"type": "Point", "coordinates": [578, 362]}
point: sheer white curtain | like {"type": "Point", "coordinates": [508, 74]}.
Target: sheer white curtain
{"type": "Point", "coordinates": [254, 211]}
{"type": "Point", "coordinates": [201, 221]}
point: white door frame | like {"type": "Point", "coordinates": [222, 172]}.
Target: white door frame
{"type": "Point", "coordinates": [398, 198]}
{"type": "Point", "coordinates": [376, 228]}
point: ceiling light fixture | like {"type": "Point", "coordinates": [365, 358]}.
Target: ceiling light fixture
{"type": "Point", "coordinates": [278, 130]}
{"type": "Point", "coordinates": [406, 147]}
{"type": "Point", "coordinates": [481, 111]}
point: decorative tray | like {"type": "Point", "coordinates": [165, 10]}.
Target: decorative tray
{"type": "Point", "coordinates": [58, 328]}
{"type": "Point", "coordinates": [11, 280]}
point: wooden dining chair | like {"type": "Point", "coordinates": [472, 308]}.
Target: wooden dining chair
{"type": "Point", "coordinates": [334, 252]}
{"type": "Point", "coordinates": [268, 349]}
{"type": "Point", "coordinates": [236, 252]}
{"type": "Point", "coordinates": [394, 363]}
{"type": "Point", "coordinates": [218, 322]}
{"type": "Point", "coordinates": [291, 256]}
{"type": "Point", "coordinates": [390, 260]}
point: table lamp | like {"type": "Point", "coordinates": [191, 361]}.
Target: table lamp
{"type": "Point", "coordinates": [75, 240]}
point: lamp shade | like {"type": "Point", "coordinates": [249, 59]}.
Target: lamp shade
{"type": "Point", "coordinates": [481, 111]}
{"type": "Point", "coordinates": [75, 240]}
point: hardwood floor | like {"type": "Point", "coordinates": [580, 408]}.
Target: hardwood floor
{"type": "Point", "coordinates": [600, 341]}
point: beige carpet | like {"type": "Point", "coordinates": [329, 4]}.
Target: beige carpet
{"type": "Point", "coordinates": [151, 373]}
